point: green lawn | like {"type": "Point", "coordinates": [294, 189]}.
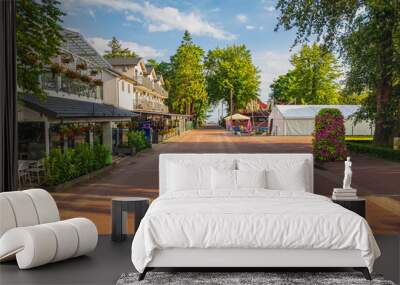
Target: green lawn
{"type": "Point", "coordinates": [359, 138]}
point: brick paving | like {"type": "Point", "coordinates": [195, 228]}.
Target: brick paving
{"type": "Point", "coordinates": [377, 179]}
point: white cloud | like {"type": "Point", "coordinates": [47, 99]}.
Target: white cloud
{"type": "Point", "coordinates": [92, 14]}
{"type": "Point", "coordinates": [250, 27]}
{"type": "Point", "coordinates": [164, 18]}
{"type": "Point", "coordinates": [215, 10]}
{"type": "Point", "coordinates": [261, 28]}
{"type": "Point", "coordinates": [272, 64]}
{"type": "Point", "coordinates": [242, 18]}
{"type": "Point", "coordinates": [100, 44]}
{"type": "Point", "coordinates": [133, 18]}
{"type": "Point", "coordinates": [269, 8]}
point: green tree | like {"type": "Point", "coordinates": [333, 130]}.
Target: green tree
{"type": "Point", "coordinates": [116, 50]}
{"type": "Point", "coordinates": [313, 79]}
{"type": "Point", "coordinates": [229, 70]}
{"type": "Point", "coordinates": [282, 89]}
{"type": "Point", "coordinates": [367, 35]}
{"type": "Point", "coordinates": [38, 38]}
{"type": "Point", "coordinates": [187, 91]}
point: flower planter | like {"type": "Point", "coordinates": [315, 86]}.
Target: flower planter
{"type": "Point", "coordinates": [125, 150]}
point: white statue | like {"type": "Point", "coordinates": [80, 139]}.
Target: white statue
{"type": "Point", "coordinates": [347, 174]}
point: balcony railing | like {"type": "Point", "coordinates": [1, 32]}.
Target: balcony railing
{"type": "Point", "coordinates": [62, 83]}
{"type": "Point", "coordinates": [146, 82]}
{"type": "Point", "coordinates": [144, 105]}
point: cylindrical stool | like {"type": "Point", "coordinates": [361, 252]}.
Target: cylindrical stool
{"type": "Point", "coordinates": [120, 208]}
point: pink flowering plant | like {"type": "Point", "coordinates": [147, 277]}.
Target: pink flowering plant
{"type": "Point", "coordinates": [329, 136]}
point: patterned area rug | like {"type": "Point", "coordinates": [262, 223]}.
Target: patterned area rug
{"type": "Point", "coordinates": [242, 278]}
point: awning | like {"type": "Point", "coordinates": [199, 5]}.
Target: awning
{"type": "Point", "coordinates": [61, 108]}
{"type": "Point", "coordinates": [237, 117]}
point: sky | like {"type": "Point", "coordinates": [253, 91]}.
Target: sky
{"type": "Point", "coordinates": [154, 28]}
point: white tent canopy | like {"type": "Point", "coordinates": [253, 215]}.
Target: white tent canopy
{"type": "Point", "coordinates": [292, 120]}
{"type": "Point", "coordinates": [237, 117]}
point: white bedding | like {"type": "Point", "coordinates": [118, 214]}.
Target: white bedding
{"type": "Point", "coordinates": [250, 218]}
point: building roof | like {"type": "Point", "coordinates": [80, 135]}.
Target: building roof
{"type": "Point", "coordinates": [149, 68]}
{"type": "Point", "coordinates": [60, 108]}
{"type": "Point", "coordinates": [310, 111]}
{"type": "Point", "coordinates": [124, 60]}
{"type": "Point", "coordinates": [76, 44]}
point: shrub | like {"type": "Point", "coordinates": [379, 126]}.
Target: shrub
{"type": "Point", "coordinates": [329, 136]}
{"type": "Point", "coordinates": [137, 139]}
{"type": "Point", "coordinates": [374, 150]}
{"type": "Point", "coordinates": [74, 162]}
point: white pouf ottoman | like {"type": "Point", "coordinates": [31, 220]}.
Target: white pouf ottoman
{"type": "Point", "coordinates": [31, 232]}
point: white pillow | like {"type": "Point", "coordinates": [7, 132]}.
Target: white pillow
{"type": "Point", "coordinates": [224, 179]}
{"type": "Point", "coordinates": [251, 178]}
{"type": "Point", "coordinates": [184, 178]}
{"type": "Point", "coordinates": [282, 174]}
{"type": "Point", "coordinates": [288, 176]}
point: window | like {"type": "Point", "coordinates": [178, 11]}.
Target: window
{"type": "Point", "coordinates": [123, 86]}
{"type": "Point", "coordinates": [129, 88]}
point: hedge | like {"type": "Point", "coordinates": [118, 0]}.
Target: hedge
{"type": "Point", "coordinates": [329, 136]}
{"type": "Point", "coordinates": [138, 140]}
{"type": "Point", "coordinates": [374, 150]}
{"type": "Point", "coordinates": [74, 162]}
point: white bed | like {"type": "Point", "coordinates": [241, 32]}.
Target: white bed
{"type": "Point", "coordinates": [201, 220]}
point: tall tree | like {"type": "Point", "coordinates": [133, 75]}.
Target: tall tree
{"type": "Point", "coordinates": [367, 35]}
{"type": "Point", "coordinates": [116, 50]}
{"type": "Point", "coordinates": [313, 79]}
{"type": "Point", "coordinates": [38, 38]}
{"type": "Point", "coordinates": [187, 92]}
{"type": "Point", "coordinates": [229, 70]}
{"type": "Point", "coordinates": [282, 89]}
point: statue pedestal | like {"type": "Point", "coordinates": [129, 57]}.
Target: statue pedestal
{"type": "Point", "coordinates": [344, 194]}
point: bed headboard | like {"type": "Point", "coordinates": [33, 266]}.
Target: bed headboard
{"type": "Point", "coordinates": [212, 158]}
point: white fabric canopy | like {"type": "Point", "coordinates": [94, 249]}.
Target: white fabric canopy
{"type": "Point", "coordinates": [298, 120]}
{"type": "Point", "coordinates": [237, 117]}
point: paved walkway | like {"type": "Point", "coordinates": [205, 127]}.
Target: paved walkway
{"type": "Point", "coordinates": [138, 176]}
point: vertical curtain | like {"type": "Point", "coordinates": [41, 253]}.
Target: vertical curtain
{"type": "Point", "coordinates": [8, 98]}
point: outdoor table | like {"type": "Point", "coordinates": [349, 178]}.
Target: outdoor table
{"type": "Point", "coordinates": [120, 208]}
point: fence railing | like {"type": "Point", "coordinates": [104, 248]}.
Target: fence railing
{"type": "Point", "coordinates": [146, 82]}
{"type": "Point", "coordinates": [150, 106]}
{"type": "Point", "coordinates": [62, 83]}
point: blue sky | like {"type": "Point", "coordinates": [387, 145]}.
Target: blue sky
{"type": "Point", "coordinates": [154, 28]}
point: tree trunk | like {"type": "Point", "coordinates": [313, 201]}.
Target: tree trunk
{"type": "Point", "coordinates": [383, 131]}
{"type": "Point", "coordinates": [384, 126]}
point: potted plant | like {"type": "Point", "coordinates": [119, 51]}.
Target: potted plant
{"type": "Point", "coordinates": [66, 58]}
{"type": "Point", "coordinates": [93, 72]}
{"type": "Point", "coordinates": [125, 149]}
{"type": "Point", "coordinates": [56, 68]}
{"type": "Point", "coordinates": [72, 74]}
{"type": "Point", "coordinates": [63, 130]}
{"type": "Point", "coordinates": [81, 66]}
{"type": "Point", "coordinates": [85, 78]}
{"type": "Point", "coordinates": [98, 82]}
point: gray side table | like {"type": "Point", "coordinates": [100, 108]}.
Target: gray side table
{"type": "Point", "coordinates": [120, 208]}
